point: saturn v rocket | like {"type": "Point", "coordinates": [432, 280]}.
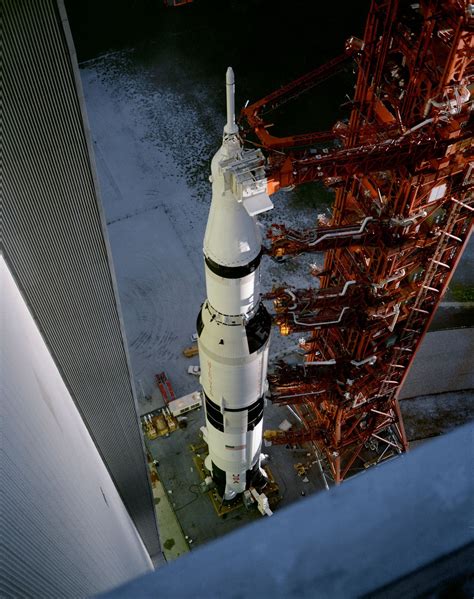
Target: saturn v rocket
{"type": "Point", "coordinates": [233, 325]}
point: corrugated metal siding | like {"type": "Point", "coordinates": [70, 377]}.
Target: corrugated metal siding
{"type": "Point", "coordinates": [55, 242]}
{"type": "Point", "coordinates": [65, 531]}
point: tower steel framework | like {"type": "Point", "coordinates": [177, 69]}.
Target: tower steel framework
{"type": "Point", "coordinates": [403, 172]}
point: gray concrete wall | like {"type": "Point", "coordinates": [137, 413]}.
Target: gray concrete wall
{"type": "Point", "coordinates": [444, 362]}
{"type": "Point", "coordinates": [65, 530]}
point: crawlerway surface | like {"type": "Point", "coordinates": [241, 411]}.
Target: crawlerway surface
{"type": "Point", "coordinates": [155, 126]}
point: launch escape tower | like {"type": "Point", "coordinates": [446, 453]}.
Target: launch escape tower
{"type": "Point", "coordinates": [403, 172]}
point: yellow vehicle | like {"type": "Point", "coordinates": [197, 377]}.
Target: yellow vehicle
{"type": "Point", "coordinates": [191, 351]}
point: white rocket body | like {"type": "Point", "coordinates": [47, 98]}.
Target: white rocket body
{"type": "Point", "coordinates": [233, 325]}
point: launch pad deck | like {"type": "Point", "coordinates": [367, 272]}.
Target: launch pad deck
{"type": "Point", "coordinates": [181, 477]}
{"type": "Point", "coordinates": [195, 512]}
{"type": "Point", "coordinates": [271, 490]}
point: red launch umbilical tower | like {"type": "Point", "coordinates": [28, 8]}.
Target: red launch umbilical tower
{"type": "Point", "coordinates": [403, 173]}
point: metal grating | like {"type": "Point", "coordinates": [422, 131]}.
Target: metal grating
{"type": "Point", "coordinates": [54, 239]}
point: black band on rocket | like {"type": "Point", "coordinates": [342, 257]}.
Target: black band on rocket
{"type": "Point", "coordinates": [233, 272]}
{"type": "Point", "coordinates": [216, 418]}
{"type": "Point", "coordinates": [258, 329]}
{"type": "Point", "coordinates": [199, 323]}
{"type": "Point", "coordinates": [214, 415]}
{"type": "Point", "coordinates": [255, 414]}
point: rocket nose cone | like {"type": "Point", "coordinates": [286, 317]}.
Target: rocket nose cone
{"type": "Point", "coordinates": [229, 76]}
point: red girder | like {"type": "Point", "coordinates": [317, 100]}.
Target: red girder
{"type": "Point", "coordinates": [286, 241]}
{"type": "Point", "coordinates": [302, 84]}
{"type": "Point", "coordinates": [251, 117]}
{"type": "Point", "coordinates": [407, 150]}
{"type": "Point", "coordinates": [360, 435]}
{"type": "Point", "coordinates": [401, 218]}
{"type": "Point", "coordinates": [288, 299]}
{"type": "Point", "coordinates": [366, 233]}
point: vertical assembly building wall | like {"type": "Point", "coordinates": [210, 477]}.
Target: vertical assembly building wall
{"type": "Point", "coordinates": [55, 243]}
{"type": "Point", "coordinates": [65, 531]}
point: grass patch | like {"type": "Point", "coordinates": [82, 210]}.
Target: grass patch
{"type": "Point", "coordinates": [462, 293]}
{"type": "Point", "coordinates": [311, 195]}
{"type": "Point", "coordinates": [168, 544]}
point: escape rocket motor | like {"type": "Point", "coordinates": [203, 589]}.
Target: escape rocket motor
{"type": "Point", "coordinates": [233, 325]}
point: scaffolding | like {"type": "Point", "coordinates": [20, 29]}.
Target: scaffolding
{"type": "Point", "coordinates": [402, 216]}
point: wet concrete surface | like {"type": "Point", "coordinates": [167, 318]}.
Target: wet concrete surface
{"type": "Point", "coordinates": [428, 416]}
{"type": "Point", "coordinates": [453, 315]}
{"type": "Point", "coordinates": [444, 362]}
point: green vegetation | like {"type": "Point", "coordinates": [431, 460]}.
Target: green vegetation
{"type": "Point", "coordinates": [462, 293]}
{"type": "Point", "coordinates": [168, 544]}
{"type": "Point", "coordinates": [311, 195]}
